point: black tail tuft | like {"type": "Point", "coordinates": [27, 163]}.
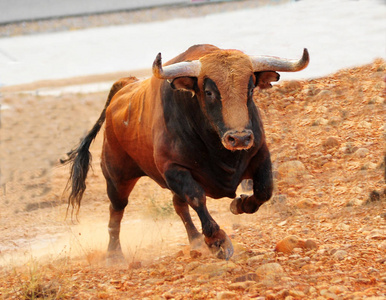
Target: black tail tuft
{"type": "Point", "coordinates": [80, 157]}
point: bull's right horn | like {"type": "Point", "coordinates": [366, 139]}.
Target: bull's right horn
{"type": "Point", "coordinates": [181, 69]}
{"type": "Point", "coordinates": [272, 63]}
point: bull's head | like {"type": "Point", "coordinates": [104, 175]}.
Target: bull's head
{"type": "Point", "coordinates": [223, 81]}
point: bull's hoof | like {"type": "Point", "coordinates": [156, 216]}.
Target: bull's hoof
{"type": "Point", "coordinates": [115, 258]}
{"type": "Point", "coordinates": [235, 206]}
{"type": "Point", "coordinates": [220, 245]}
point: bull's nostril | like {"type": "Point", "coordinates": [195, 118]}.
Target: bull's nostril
{"type": "Point", "coordinates": [231, 140]}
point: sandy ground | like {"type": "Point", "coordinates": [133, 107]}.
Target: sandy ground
{"type": "Point", "coordinates": [327, 139]}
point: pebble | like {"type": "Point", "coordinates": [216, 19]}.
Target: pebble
{"type": "Point", "coordinates": [362, 152]}
{"type": "Point", "coordinates": [382, 245]}
{"type": "Point", "coordinates": [330, 142]}
{"type": "Point", "coordinates": [254, 260]}
{"type": "Point", "coordinates": [195, 254]}
{"type": "Point", "coordinates": [324, 94]}
{"type": "Point", "coordinates": [342, 226]}
{"type": "Point", "coordinates": [337, 289]}
{"type": "Point", "coordinates": [226, 295]}
{"type": "Point", "coordinates": [364, 125]}
{"type": "Point", "coordinates": [289, 243]}
{"type": "Point", "coordinates": [311, 245]}
{"type": "Point", "coordinates": [377, 234]}
{"type": "Point", "coordinates": [247, 277]}
{"type": "Point", "coordinates": [270, 270]}
{"type": "Point", "coordinates": [297, 294]}
{"type": "Point", "coordinates": [292, 85]}
{"type": "Point", "coordinates": [320, 121]}
{"type": "Point", "coordinates": [354, 202]}
{"type": "Point", "coordinates": [215, 269]}
{"type": "Point", "coordinates": [241, 285]}
{"type": "Point", "coordinates": [306, 204]}
{"type": "Point", "coordinates": [339, 254]}
{"type": "Point", "coordinates": [291, 169]}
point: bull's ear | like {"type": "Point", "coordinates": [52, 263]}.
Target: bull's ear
{"type": "Point", "coordinates": [184, 83]}
{"type": "Point", "coordinates": [264, 79]}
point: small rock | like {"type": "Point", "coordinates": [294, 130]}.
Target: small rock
{"type": "Point", "coordinates": [377, 234]}
{"type": "Point", "coordinates": [270, 270]}
{"type": "Point", "coordinates": [309, 267]}
{"type": "Point", "coordinates": [310, 245]}
{"type": "Point", "coordinates": [320, 121]}
{"type": "Point", "coordinates": [333, 121]}
{"type": "Point", "coordinates": [331, 142]}
{"type": "Point", "coordinates": [292, 85]}
{"type": "Point", "coordinates": [179, 254]}
{"type": "Point", "coordinates": [342, 226]}
{"type": "Point", "coordinates": [337, 289]}
{"type": "Point", "coordinates": [382, 245]}
{"type": "Point", "coordinates": [364, 124]}
{"type": "Point", "coordinates": [241, 285]}
{"type": "Point", "coordinates": [363, 281]}
{"type": "Point", "coordinates": [226, 295]}
{"type": "Point", "coordinates": [325, 94]}
{"type": "Point", "coordinates": [254, 260]}
{"type": "Point", "coordinates": [362, 152]}
{"type": "Point", "coordinates": [292, 169]}
{"type": "Point", "coordinates": [289, 243]}
{"type": "Point", "coordinates": [213, 269]}
{"type": "Point", "coordinates": [247, 277]}
{"type": "Point", "coordinates": [354, 202]}
{"type": "Point", "coordinates": [191, 266]}
{"type": "Point", "coordinates": [195, 254]}
{"type": "Point", "coordinates": [297, 294]}
{"type": "Point", "coordinates": [306, 204]}
{"type": "Point", "coordinates": [339, 254]}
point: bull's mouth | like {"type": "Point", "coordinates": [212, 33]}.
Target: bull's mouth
{"type": "Point", "coordinates": [238, 140]}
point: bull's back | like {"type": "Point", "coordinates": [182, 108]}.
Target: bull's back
{"type": "Point", "coordinates": [129, 121]}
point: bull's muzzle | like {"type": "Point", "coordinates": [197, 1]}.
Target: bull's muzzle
{"type": "Point", "coordinates": [238, 140]}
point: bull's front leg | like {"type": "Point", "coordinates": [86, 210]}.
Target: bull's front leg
{"type": "Point", "coordinates": [181, 182]}
{"type": "Point", "coordinates": [262, 185]}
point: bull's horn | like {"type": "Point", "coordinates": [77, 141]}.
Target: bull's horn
{"type": "Point", "coordinates": [272, 63]}
{"type": "Point", "coordinates": [186, 68]}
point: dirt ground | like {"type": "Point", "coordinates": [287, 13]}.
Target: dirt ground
{"type": "Point", "coordinates": [327, 140]}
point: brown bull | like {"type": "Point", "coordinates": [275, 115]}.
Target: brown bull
{"type": "Point", "coordinates": [193, 128]}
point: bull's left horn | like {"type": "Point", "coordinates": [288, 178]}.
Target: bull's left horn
{"type": "Point", "coordinates": [272, 63]}
{"type": "Point", "coordinates": [181, 69]}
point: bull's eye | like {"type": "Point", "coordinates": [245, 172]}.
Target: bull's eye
{"type": "Point", "coordinates": [250, 93]}
{"type": "Point", "coordinates": [208, 93]}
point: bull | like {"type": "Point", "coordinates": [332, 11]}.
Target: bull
{"type": "Point", "coordinates": [194, 129]}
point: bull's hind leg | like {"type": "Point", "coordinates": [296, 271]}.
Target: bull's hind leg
{"type": "Point", "coordinates": [118, 194]}
{"type": "Point", "coordinates": [121, 174]}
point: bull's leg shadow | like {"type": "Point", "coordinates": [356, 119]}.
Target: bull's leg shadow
{"type": "Point", "coordinates": [188, 191]}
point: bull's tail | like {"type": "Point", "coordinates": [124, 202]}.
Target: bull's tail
{"type": "Point", "coordinates": [80, 157]}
